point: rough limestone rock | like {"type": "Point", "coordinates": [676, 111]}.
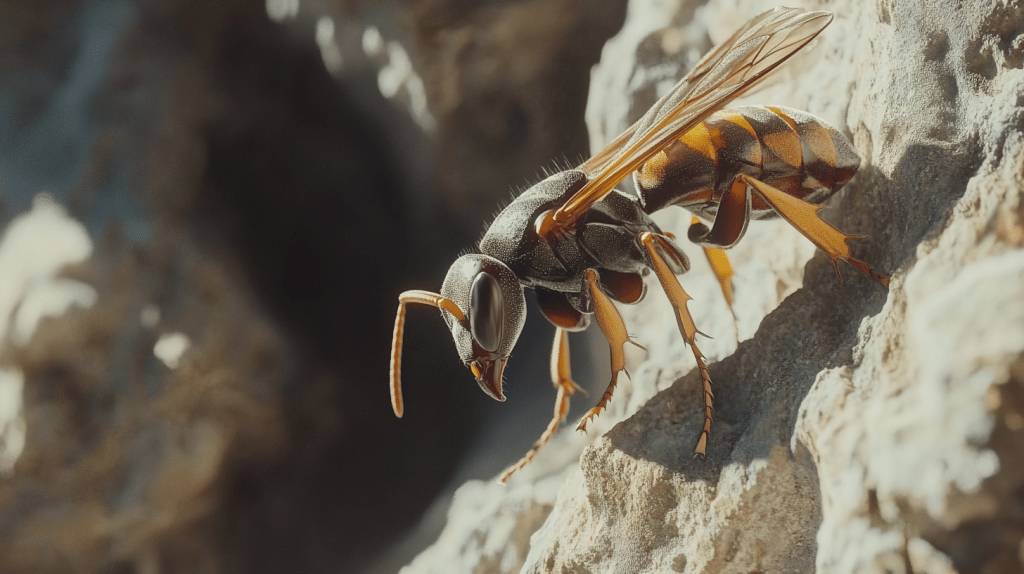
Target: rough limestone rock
{"type": "Point", "coordinates": [857, 429]}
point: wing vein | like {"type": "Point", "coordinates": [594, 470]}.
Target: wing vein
{"type": "Point", "coordinates": [749, 55]}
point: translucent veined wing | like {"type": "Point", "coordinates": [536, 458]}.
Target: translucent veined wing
{"type": "Point", "coordinates": [729, 70]}
{"type": "Point", "coordinates": [683, 86]}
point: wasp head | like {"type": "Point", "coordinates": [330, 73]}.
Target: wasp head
{"type": "Point", "coordinates": [491, 297]}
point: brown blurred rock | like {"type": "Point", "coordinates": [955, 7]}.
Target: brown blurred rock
{"type": "Point", "coordinates": [506, 82]}
{"type": "Point", "coordinates": [242, 200]}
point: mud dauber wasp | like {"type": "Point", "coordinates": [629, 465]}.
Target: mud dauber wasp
{"type": "Point", "coordinates": [580, 243]}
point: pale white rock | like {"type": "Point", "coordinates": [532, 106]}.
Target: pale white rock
{"type": "Point", "coordinates": [48, 297]}
{"type": "Point", "coordinates": [34, 248]}
{"type": "Point", "coordinates": [12, 423]}
{"type": "Point", "coordinates": [170, 347]}
{"type": "Point", "coordinates": [858, 429]}
{"type": "Point", "coordinates": [489, 525]}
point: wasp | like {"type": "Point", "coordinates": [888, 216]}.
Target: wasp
{"type": "Point", "coordinates": [581, 244]}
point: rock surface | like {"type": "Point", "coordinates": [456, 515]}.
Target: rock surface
{"type": "Point", "coordinates": [858, 429]}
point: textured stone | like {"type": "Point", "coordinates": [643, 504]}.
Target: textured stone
{"type": "Point", "coordinates": [857, 429]}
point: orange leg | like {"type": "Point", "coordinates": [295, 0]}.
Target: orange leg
{"type": "Point", "coordinates": [678, 297]}
{"type": "Point", "coordinates": [614, 330]}
{"type": "Point", "coordinates": [562, 379]}
{"type": "Point", "coordinates": [804, 217]}
{"type": "Point", "coordinates": [729, 227]}
{"type": "Point", "coordinates": [722, 269]}
{"type": "Point", "coordinates": [730, 223]}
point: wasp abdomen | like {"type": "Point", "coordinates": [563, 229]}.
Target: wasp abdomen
{"type": "Point", "coordinates": [785, 148]}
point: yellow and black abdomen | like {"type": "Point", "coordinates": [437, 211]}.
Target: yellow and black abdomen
{"type": "Point", "coordinates": [790, 150]}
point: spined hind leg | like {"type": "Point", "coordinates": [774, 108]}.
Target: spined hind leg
{"type": "Point", "coordinates": [804, 217]}
{"type": "Point", "coordinates": [655, 247]}
{"type": "Point", "coordinates": [734, 214]}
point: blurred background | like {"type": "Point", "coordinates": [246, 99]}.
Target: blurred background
{"type": "Point", "coordinates": [209, 210]}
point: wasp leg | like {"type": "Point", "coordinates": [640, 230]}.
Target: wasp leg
{"type": "Point", "coordinates": [730, 222]}
{"type": "Point", "coordinates": [678, 297]}
{"type": "Point", "coordinates": [721, 267]}
{"type": "Point", "coordinates": [423, 298]}
{"type": "Point", "coordinates": [716, 255]}
{"type": "Point", "coordinates": [730, 225]}
{"type": "Point", "coordinates": [804, 217]}
{"type": "Point", "coordinates": [614, 330]}
{"type": "Point", "coordinates": [566, 387]}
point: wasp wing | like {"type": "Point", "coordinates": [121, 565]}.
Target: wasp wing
{"type": "Point", "coordinates": [684, 86]}
{"type": "Point", "coordinates": [729, 70]}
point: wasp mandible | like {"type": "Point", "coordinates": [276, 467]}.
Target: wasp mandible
{"type": "Point", "coordinates": [581, 244]}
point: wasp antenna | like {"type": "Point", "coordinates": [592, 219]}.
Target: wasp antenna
{"type": "Point", "coordinates": [423, 298]}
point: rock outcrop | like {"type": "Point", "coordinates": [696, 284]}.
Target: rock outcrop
{"type": "Point", "coordinates": [857, 429]}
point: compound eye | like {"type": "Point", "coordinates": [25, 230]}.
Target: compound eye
{"type": "Point", "coordinates": [487, 312]}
